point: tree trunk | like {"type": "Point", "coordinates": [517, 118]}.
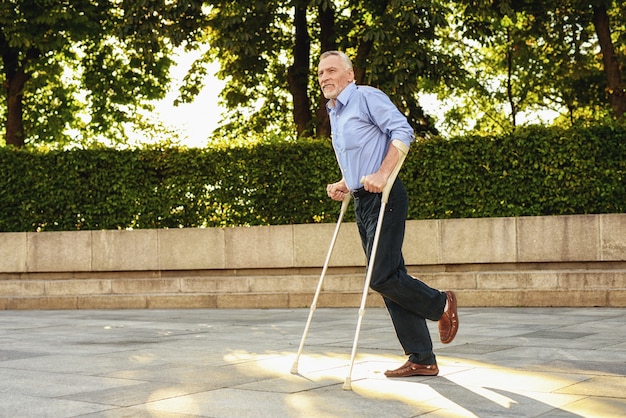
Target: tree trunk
{"type": "Point", "coordinates": [365, 48]}
{"type": "Point", "coordinates": [615, 85]}
{"type": "Point", "coordinates": [327, 43]}
{"type": "Point", "coordinates": [298, 75]}
{"type": "Point", "coordinates": [15, 80]}
{"type": "Point", "coordinates": [363, 51]}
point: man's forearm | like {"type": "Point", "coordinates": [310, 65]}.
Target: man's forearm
{"type": "Point", "coordinates": [389, 162]}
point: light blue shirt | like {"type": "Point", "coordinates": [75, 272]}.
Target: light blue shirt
{"type": "Point", "coordinates": [363, 123]}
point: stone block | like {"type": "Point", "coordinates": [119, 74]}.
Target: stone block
{"type": "Point", "coordinates": [518, 280]}
{"type": "Point", "coordinates": [259, 247]}
{"type": "Point", "coordinates": [40, 303]}
{"type": "Point", "coordinates": [483, 240]}
{"type": "Point", "coordinates": [452, 281]}
{"type": "Point", "coordinates": [558, 238]}
{"type": "Point", "coordinates": [347, 300]}
{"type": "Point", "coordinates": [253, 301]}
{"type": "Point", "coordinates": [422, 242]}
{"type": "Point", "coordinates": [296, 300]}
{"type": "Point", "coordinates": [613, 236]}
{"type": "Point", "coordinates": [309, 283]}
{"type": "Point", "coordinates": [13, 252]}
{"type": "Point", "coordinates": [617, 298]}
{"type": "Point", "coordinates": [181, 301]}
{"type": "Point", "coordinates": [78, 287]}
{"type": "Point", "coordinates": [278, 284]}
{"type": "Point", "coordinates": [344, 283]}
{"type": "Point", "coordinates": [22, 288]}
{"type": "Point", "coordinates": [59, 251]}
{"type": "Point", "coordinates": [198, 284]}
{"type": "Point", "coordinates": [125, 250]}
{"type": "Point", "coordinates": [145, 286]}
{"type": "Point", "coordinates": [112, 302]}
{"type": "Point", "coordinates": [486, 298]}
{"type": "Point", "coordinates": [233, 284]}
{"type": "Point", "coordinates": [191, 248]}
{"type": "Point", "coordinates": [592, 280]}
{"type": "Point", "coordinates": [24, 303]}
{"type": "Point", "coordinates": [58, 302]}
{"type": "Point", "coordinates": [312, 242]}
{"type": "Point", "coordinates": [564, 298]}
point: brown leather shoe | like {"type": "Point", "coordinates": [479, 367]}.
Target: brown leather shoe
{"type": "Point", "coordinates": [413, 369]}
{"type": "Point", "coordinates": [449, 321]}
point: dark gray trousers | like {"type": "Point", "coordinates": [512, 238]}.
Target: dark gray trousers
{"type": "Point", "coordinates": [409, 301]}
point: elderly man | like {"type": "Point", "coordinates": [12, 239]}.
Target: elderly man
{"type": "Point", "coordinates": [364, 121]}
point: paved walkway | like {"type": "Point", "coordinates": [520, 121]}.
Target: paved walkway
{"type": "Point", "coordinates": [514, 362]}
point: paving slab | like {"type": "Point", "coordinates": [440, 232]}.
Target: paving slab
{"type": "Point", "coordinates": [220, 363]}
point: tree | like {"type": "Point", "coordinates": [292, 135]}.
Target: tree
{"type": "Point", "coordinates": [267, 54]}
{"type": "Point", "coordinates": [105, 59]}
{"type": "Point", "coordinates": [614, 65]}
{"type": "Point", "coordinates": [85, 68]}
{"type": "Point", "coordinates": [534, 54]}
{"type": "Point", "coordinates": [498, 60]}
{"type": "Point", "coordinates": [589, 28]}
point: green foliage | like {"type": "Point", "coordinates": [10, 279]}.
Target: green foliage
{"type": "Point", "coordinates": [83, 70]}
{"type": "Point", "coordinates": [523, 58]}
{"type": "Point", "coordinates": [496, 65]}
{"type": "Point", "coordinates": [164, 187]}
{"type": "Point", "coordinates": [86, 71]}
{"type": "Point", "coordinates": [254, 44]}
{"type": "Point", "coordinates": [536, 171]}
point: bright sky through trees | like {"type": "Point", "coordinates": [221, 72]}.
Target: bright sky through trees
{"type": "Point", "coordinates": [194, 121]}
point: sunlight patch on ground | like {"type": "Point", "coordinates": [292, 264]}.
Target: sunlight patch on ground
{"type": "Point", "coordinates": [502, 389]}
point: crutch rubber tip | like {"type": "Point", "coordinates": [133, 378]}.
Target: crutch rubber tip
{"type": "Point", "coordinates": [294, 368]}
{"type": "Point", "coordinates": [347, 385]}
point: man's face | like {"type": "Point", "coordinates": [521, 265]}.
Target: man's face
{"type": "Point", "coordinates": [333, 76]}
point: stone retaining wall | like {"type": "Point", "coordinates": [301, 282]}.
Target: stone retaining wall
{"type": "Point", "coordinates": [577, 260]}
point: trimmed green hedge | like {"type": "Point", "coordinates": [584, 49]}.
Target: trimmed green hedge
{"type": "Point", "coordinates": [537, 171]}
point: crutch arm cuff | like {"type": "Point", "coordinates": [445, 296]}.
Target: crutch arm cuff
{"type": "Point", "coordinates": [403, 150]}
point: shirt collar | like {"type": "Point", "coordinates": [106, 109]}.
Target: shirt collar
{"type": "Point", "coordinates": [344, 96]}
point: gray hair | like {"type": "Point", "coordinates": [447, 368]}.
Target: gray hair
{"type": "Point", "coordinates": [344, 58]}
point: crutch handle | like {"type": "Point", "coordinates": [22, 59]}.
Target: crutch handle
{"type": "Point", "coordinates": [345, 202]}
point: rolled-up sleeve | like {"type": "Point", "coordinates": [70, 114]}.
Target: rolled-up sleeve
{"type": "Point", "coordinates": [387, 117]}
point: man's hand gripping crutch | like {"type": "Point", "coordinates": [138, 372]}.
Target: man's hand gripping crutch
{"type": "Point", "coordinates": [403, 149]}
